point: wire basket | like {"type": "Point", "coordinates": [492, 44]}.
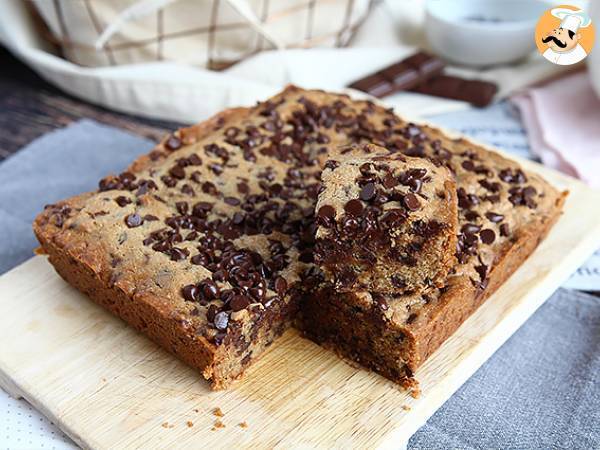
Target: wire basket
{"type": "Point", "coordinates": [206, 33]}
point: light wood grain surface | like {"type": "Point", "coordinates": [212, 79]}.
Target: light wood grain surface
{"type": "Point", "coordinates": [108, 387]}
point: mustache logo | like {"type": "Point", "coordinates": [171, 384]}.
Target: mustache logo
{"type": "Point", "coordinates": [557, 41]}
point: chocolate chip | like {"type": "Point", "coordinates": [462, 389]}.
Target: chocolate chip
{"type": "Point", "coordinates": [529, 191]}
{"type": "Point", "coordinates": [346, 278]}
{"type": "Point", "coordinates": [239, 302]}
{"type": "Point", "coordinates": [177, 172]}
{"type": "Point", "coordinates": [232, 132]}
{"type": "Point", "coordinates": [144, 187]}
{"type": "Point", "coordinates": [466, 200]}
{"type": "Point", "coordinates": [169, 181]}
{"type": "Point", "coordinates": [177, 254]}
{"type": "Point", "coordinates": [188, 190]}
{"type": "Point", "coordinates": [487, 236]}
{"type": "Point", "coordinates": [492, 187]}
{"type": "Point", "coordinates": [221, 320]}
{"type": "Point", "coordinates": [209, 289]}
{"type": "Point", "coordinates": [238, 218]}
{"type": "Point", "coordinates": [182, 208]}
{"type": "Point", "coordinates": [173, 143]}
{"type": "Point", "coordinates": [491, 198]}
{"type": "Point", "coordinates": [522, 196]}
{"type": "Point", "coordinates": [216, 168]}
{"type": "Point", "coordinates": [192, 236]}
{"type": "Point", "coordinates": [393, 217]}
{"type": "Point", "coordinates": [331, 164]}
{"type": "Point", "coordinates": [155, 155]}
{"type": "Point", "coordinates": [494, 217]}
{"type": "Point", "coordinates": [194, 160]}
{"type": "Point", "coordinates": [381, 302]}
{"type": "Point", "coordinates": [367, 192]}
{"type": "Point", "coordinates": [211, 313]}
{"type": "Point", "coordinates": [201, 209]}
{"type": "Point", "coordinates": [190, 292]}
{"type": "Point", "coordinates": [306, 257]}
{"type": "Point", "coordinates": [411, 202]}
{"type": "Point", "coordinates": [468, 165]}
{"type": "Point", "coordinates": [232, 201]}
{"type": "Point", "coordinates": [504, 230]}
{"type": "Point", "coordinates": [482, 271]}
{"type": "Point", "coordinates": [350, 225]}
{"type": "Point", "coordinates": [280, 286]}
{"type": "Point", "coordinates": [326, 211]}
{"type": "Point", "coordinates": [470, 228]}
{"type": "Point", "coordinates": [365, 169]}
{"type": "Point", "coordinates": [390, 181]}
{"type": "Point", "coordinates": [354, 207]}
{"type": "Point", "coordinates": [122, 201]}
{"type": "Point", "coordinates": [471, 215]}
{"type": "Point", "coordinates": [200, 259]}
{"type": "Point", "coordinates": [133, 220]}
{"type": "Point", "coordinates": [516, 177]}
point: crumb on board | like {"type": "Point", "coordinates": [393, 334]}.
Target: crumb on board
{"type": "Point", "coordinates": [406, 407]}
{"type": "Point", "coordinates": [189, 423]}
{"type": "Point", "coordinates": [165, 425]}
{"type": "Point", "coordinates": [196, 410]}
{"type": "Point", "coordinates": [243, 424]}
{"type": "Point", "coordinates": [218, 424]}
{"type": "Point", "coordinates": [217, 412]}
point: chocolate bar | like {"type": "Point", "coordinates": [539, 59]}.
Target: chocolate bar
{"type": "Point", "coordinates": [403, 75]}
{"type": "Point", "coordinates": [422, 73]}
{"type": "Point", "coordinates": [478, 93]}
{"type": "Point", "coordinates": [375, 85]}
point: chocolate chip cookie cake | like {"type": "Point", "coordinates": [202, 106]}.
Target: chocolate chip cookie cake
{"type": "Point", "coordinates": [207, 243]}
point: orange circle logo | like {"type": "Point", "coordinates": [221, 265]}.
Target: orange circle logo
{"type": "Point", "coordinates": [564, 35]}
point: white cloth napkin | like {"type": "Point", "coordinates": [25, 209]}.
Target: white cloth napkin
{"type": "Point", "coordinates": [189, 94]}
{"type": "Point", "coordinates": [562, 119]}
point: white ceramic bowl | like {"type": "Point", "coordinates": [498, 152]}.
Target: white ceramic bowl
{"type": "Point", "coordinates": [482, 32]}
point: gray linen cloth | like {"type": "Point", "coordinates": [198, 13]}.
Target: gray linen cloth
{"type": "Point", "coordinates": [540, 390]}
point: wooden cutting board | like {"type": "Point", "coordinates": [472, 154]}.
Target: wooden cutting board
{"type": "Point", "coordinates": [108, 387]}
